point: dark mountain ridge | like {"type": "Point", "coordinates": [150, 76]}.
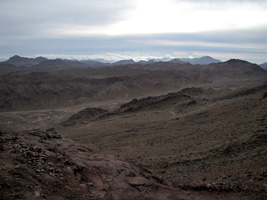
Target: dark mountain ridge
{"type": "Point", "coordinates": [23, 61]}
{"type": "Point", "coordinates": [61, 62]}
{"type": "Point", "coordinates": [94, 63]}
{"type": "Point", "coordinates": [177, 60]}
{"type": "Point", "coordinates": [124, 62]}
{"type": "Point", "coordinates": [44, 62]}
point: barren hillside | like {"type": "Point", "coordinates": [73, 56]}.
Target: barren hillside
{"type": "Point", "coordinates": [188, 140]}
{"type": "Point", "coordinates": [141, 131]}
{"type": "Point", "coordinates": [35, 88]}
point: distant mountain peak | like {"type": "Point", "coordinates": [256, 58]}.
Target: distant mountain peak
{"type": "Point", "coordinates": [24, 61]}
{"type": "Point", "coordinates": [264, 65]}
{"type": "Point", "coordinates": [16, 58]}
{"type": "Point", "coordinates": [205, 60]}
{"type": "Point", "coordinates": [177, 60]}
{"type": "Point", "coordinates": [124, 62]}
{"type": "Point", "coordinates": [146, 61]}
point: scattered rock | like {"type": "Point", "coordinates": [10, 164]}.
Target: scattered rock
{"type": "Point", "coordinates": [71, 172]}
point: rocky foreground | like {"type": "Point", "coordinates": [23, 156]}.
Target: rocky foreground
{"type": "Point", "coordinates": [42, 165]}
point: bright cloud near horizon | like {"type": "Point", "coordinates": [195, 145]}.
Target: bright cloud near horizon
{"type": "Point", "coordinates": [138, 29]}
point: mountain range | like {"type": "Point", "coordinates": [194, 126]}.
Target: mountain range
{"type": "Point", "coordinates": [44, 62]}
{"type": "Point", "coordinates": [41, 61]}
{"type": "Point", "coordinates": [200, 61]}
{"type": "Point", "coordinates": [23, 61]}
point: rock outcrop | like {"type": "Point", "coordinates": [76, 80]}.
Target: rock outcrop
{"type": "Point", "coordinates": [42, 165]}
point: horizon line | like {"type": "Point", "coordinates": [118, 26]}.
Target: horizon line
{"type": "Point", "coordinates": [74, 57]}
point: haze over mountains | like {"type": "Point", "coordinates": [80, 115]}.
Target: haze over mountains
{"type": "Point", "coordinates": [24, 61]}
{"type": "Point", "coordinates": [42, 61]}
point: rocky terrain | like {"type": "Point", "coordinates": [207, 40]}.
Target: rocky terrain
{"type": "Point", "coordinates": [135, 131]}
{"type": "Point", "coordinates": [193, 140]}
{"type": "Point", "coordinates": [41, 165]}
{"type": "Point", "coordinates": [93, 114]}
{"type": "Point", "coordinates": [34, 88]}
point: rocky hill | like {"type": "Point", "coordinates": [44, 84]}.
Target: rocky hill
{"type": "Point", "coordinates": [145, 103]}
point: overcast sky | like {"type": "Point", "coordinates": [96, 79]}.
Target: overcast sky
{"type": "Point", "coordinates": [138, 29]}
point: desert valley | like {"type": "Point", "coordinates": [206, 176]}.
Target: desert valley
{"type": "Point", "coordinates": [133, 130]}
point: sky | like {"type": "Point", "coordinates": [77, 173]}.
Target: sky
{"type": "Point", "coordinates": [134, 29]}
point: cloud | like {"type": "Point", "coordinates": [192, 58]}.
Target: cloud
{"type": "Point", "coordinates": [179, 53]}
{"type": "Point", "coordinates": [170, 16]}
{"type": "Point", "coordinates": [32, 18]}
{"type": "Point", "coordinates": [107, 56]}
{"type": "Point", "coordinates": [235, 43]}
{"type": "Point", "coordinates": [142, 27]}
{"type": "Point", "coordinates": [57, 18]}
